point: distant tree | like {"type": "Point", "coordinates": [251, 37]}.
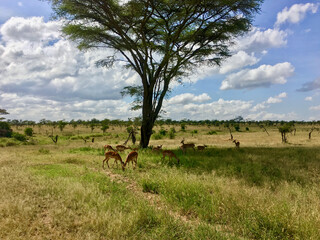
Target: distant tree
{"type": "Point", "coordinates": [5, 130]}
{"type": "Point", "coordinates": [62, 124]}
{"type": "Point", "coordinates": [3, 112]}
{"type": "Point", "coordinates": [74, 124]}
{"type": "Point", "coordinates": [159, 39]}
{"type": "Point", "coordinates": [284, 129]}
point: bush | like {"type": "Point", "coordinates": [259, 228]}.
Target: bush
{"type": "Point", "coordinates": [247, 129]}
{"type": "Point", "coordinates": [162, 132]}
{"type": "Point", "coordinates": [237, 127]}
{"type": "Point", "coordinates": [19, 137]}
{"type": "Point", "coordinates": [183, 127]}
{"type": "Point", "coordinates": [157, 136]}
{"type": "Point", "coordinates": [5, 130]}
{"type": "Point", "coordinates": [172, 133]}
{"type": "Point", "coordinates": [28, 132]}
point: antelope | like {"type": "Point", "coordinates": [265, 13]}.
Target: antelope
{"type": "Point", "coordinates": [108, 147]}
{"type": "Point", "coordinates": [157, 148]}
{"type": "Point", "coordinates": [237, 143]}
{"type": "Point", "coordinates": [170, 154]}
{"type": "Point", "coordinates": [185, 146]}
{"type": "Point", "coordinates": [115, 156]}
{"type": "Point", "coordinates": [201, 148]}
{"type": "Point", "coordinates": [133, 158]}
{"type": "Point", "coordinates": [121, 148]}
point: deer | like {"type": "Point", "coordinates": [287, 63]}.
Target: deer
{"type": "Point", "coordinates": [121, 148]}
{"type": "Point", "coordinates": [170, 154]}
{"type": "Point", "coordinates": [133, 158]}
{"type": "Point", "coordinates": [237, 143]}
{"type": "Point", "coordinates": [201, 148]}
{"type": "Point", "coordinates": [157, 148]}
{"type": "Point", "coordinates": [110, 148]}
{"type": "Point", "coordinates": [187, 145]}
{"type": "Point", "coordinates": [115, 156]}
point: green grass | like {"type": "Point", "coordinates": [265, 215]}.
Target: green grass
{"type": "Point", "coordinates": [60, 191]}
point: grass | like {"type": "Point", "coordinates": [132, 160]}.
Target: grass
{"type": "Point", "coordinates": [60, 191]}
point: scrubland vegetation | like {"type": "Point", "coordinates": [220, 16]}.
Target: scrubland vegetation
{"type": "Point", "coordinates": [266, 189]}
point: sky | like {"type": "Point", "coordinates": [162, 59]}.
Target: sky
{"type": "Point", "coordinates": [273, 73]}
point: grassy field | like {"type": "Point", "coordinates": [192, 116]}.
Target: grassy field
{"type": "Point", "coordinates": [264, 190]}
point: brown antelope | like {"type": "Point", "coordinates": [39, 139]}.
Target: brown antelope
{"type": "Point", "coordinates": [121, 148]}
{"type": "Point", "coordinates": [187, 145]}
{"type": "Point", "coordinates": [237, 143]}
{"type": "Point", "coordinates": [115, 156]}
{"type": "Point", "coordinates": [170, 154]}
{"type": "Point", "coordinates": [157, 148]}
{"type": "Point", "coordinates": [201, 148]}
{"type": "Point", "coordinates": [133, 158]}
{"type": "Point", "coordinates": [108, 147]}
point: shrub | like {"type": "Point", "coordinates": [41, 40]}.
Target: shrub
{"type": "Point", "coordinates": [237, 127]}
{"type": "Point", "coordinates": [183, 127]}
{"type": "Point", "coordinates": [247, 129]}
{"type": "Point", "coordinates": [162, 132]}
{"type": "Point", "coordinates": [157, 136]}
{"type": "Point", "coordinates": [5, 130]}
{"type": "Point", "coordinates": [172, 133]}
{"type": "Point", "coordinates": [28, 132]}
{"type": "Point", "coordinates": [19, 137]}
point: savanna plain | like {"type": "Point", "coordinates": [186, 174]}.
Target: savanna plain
{"type": "Point", "coordinates": [265, 189]}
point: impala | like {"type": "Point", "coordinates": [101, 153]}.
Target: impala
{"type": "Point", "coordinates": [116, 158]}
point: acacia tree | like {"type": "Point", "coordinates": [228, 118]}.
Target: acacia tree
{"type": "Point", "coordinates": [162, 40]}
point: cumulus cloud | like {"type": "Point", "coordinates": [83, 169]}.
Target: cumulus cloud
{"type": "Point", "coordinates": [221, 109]}
{"type": "Point", "coordinates": [187, 98]}
{"type": "Point", "coordinates": [308, 86]}
{"type": "Point", "coordinates": [270, 100]}
{"type": "Point", "coordinates": [259, 40]}
{"type": "Point", "coordinates": [295, 13]}
{"type": "Point", "coordinates": [308, 99]}
{"type": "Point", "coordinates": [36, 61]}
{"type": "Point", "coordinates": [263, 76]}
{"type": "Point", "coordinates": [272, 116]}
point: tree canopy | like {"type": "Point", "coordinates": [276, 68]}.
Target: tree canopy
{"type": "Point", "coordinates": [162, 40]}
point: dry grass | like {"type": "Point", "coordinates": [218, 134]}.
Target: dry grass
{"type": "Point", "coordinates": [264, 190]}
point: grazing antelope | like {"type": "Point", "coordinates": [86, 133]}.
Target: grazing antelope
{"type": "Point", "coordinates": [201, 148]}
{"type": "Point", "coordinates": [133, 158]}
{"type": "Point", "coordinates": [116, 158]}
{"type": "Point", "coordinates": [121, 148]}
{"type": "Point", "coordinates": [157, 148]}
{"type": "Point", "coordinates": [170, 154]}
{"type": "Point", "coordinates": [108, 147]}
{"type": "Point", "coordinates": [187, 145]}
{"type": "Point", "coordinates": [237, 143]}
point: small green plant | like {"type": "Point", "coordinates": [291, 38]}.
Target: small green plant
{"type": "Point", "coordinates": [44, 151]}
{"type": "Point", "coordinates": [151, 187]}
{"type": "Point", "coordinates": [28, 132]}
{"type": "Point", "coordinates": [247, 129]}
{"type": "Point", "coordinates": [157, 136]}
{"type": "Point", "coordinates": [212, 132]}
{"type": "Point", "coordinates": [237, 127]}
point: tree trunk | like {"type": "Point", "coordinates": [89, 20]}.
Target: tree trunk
{"type": "Point", "coordinates": [148, 119]}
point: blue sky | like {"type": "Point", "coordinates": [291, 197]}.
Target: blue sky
{"type": "Point", "coordinates": [274, 72]}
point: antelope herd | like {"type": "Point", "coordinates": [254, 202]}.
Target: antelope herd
{"type": "Point", "coordinates": [133, 155]}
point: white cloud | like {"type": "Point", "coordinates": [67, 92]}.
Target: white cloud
{"type": "Point", "coordinates": [295, 13]}
{"type": "Point", "coordinates": [187, 98]}
{"type": "Point", "coordinates": [20, 4]}
{"type": "Point", "coordinates": [237, 61]}
{"type": "Point", "coordinates": [272, 116]}
{"type": "Point", "coordinates": [315, 108]}
{"type": "Point", "coordinates": [221, 109]}
{"type": "Point", "coordinates": [35, 60]}
{"type": "Point", "coordinates": [263, 76]}
{"type": "Point", "coordinates": [271, 100]}
{"type": "Point", "coordinates": [308, 99]}
{"type": "Point", "coordinates": [258, 40]}
{"type": "Point", "coordinates": [277, 99]}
